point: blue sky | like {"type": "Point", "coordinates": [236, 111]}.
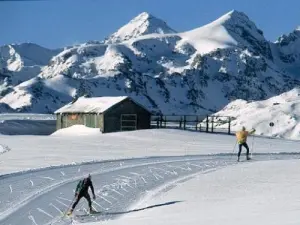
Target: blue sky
{"type": "Point", "coordinates": [57, 23]}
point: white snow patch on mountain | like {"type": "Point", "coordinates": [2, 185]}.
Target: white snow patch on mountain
{"type": "Point", "coordinates": [193, 72]}
{"type": "Point", "coordinates": [210, 37]}
{"type": "Point", "coordinates": [143, 24]}
{"type": "Point", "coordinates": [283, 111]}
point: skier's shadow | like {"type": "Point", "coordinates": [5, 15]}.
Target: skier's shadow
{"type": "Point", "coordinates": [98, 216]}
{"type": "Point", "coordinates": [141, 209]}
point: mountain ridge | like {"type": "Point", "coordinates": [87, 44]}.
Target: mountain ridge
{"type": "Point", "coordinates": [192, 72]}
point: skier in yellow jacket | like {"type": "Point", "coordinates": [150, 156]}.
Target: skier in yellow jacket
{"type": "Point", "coordinates": [241, 137]}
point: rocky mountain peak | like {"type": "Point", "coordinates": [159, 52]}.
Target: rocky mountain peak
{"type": "Point", "coordinates": [142, 24]}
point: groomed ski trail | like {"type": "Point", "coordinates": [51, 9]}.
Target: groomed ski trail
{"type": "Point", "coordinates": [41, 197]}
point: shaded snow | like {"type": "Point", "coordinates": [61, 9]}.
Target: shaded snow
{"type": "Point", "coordinates": [27, 127]}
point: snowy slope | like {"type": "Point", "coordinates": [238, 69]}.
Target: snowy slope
{"type": "Point", "coordinates": [286, 49]}
{"type": "Point", "coordinates": [282, 110]}
{"type": "Point", "coordinates": [193, 72]}
{"type": "Point", "coordinates": [234, 29]}
{"type": "Point", "coordinates": [80, 144]}
{"type": "Point", "coordinates": [254, 193]}
{"type": "Point", "coordinates": [143, 24]}
{"type": "Point", "coordinates": [21, 62]}
{"type": "Point", "coordinates": [148, 190]}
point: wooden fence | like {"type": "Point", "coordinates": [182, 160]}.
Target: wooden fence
{"type": "Point", "coordinates": [209, 124]}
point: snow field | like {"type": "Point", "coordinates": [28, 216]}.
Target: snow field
{"type": "Point", "coordinates": [64, 148]}
{"type": "Point", "coordinates": [131, 190]}
{"type": "Point", "coordinates": [250, 193]}
{"type": "Point", "coordinates": [42, 196]}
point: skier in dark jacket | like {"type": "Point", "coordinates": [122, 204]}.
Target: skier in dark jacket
{"type": "Point", "coordinates": [82, 191]}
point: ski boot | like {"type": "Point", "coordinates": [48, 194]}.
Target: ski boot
{"type": "Point", "coordinates": [70, 212]}
{"type": "Point", "coordinates": [92, 211]}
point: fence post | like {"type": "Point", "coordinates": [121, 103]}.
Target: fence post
{"type": "Point", "coordinates": [229, 123]}
{"type": "Point", "coordinates": [184, 122]}
{"type": "Point", "coordinates": [160, 123]}
{"type": "Point", "coordinates": [196, 123]}
{"type": "Point", "coordinates": [207, 124]}
{"type": "Point", "coordinates": [180, 122]}
{"type": "Point", "coordinates": [212, 124]}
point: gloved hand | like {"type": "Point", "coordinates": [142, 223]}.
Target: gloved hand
{"type": "Point", "coordinates": [94, 197]}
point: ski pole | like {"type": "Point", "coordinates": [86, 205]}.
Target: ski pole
{"type": "Point", "coordinates": [233, 150]}
{"type": "Point", "coordinates": [69, 207]}
{"type": "Point", "coordinates": [252, 145]}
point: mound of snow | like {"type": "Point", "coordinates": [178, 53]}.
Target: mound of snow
{"type": "Point", "coordinates": [282, 110]}
{"type": "Point", "coordinates": [77, 130]}
{"type": "Point", "coordinates": [4, 149]}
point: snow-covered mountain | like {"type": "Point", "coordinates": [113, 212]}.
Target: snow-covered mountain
{"type": "Point", "coordinates": [193, 72]}
{"type": "Point", "coordinates": [282, 110]}
{"type": "Point", "coordinates": [21, 62]}
{"type": "Point", "coordinates": [143, 24]}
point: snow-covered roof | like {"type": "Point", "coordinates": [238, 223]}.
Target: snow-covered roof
{"type": "Point", "coordinates": [91, 105]}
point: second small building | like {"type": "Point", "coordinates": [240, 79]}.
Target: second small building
{"type": "Point", "coordinates": [109, 114]}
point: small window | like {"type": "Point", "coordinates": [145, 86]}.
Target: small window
{"type": "Point", "coordinates": [128, 122]}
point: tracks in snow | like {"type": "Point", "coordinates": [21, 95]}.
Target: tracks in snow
{"type": "Point", "coordinates": [40, 197]}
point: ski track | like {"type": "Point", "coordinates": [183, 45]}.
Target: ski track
{"type": "Point", "coordinates": [42, 197]}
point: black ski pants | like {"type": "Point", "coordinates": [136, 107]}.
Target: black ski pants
{"type": "Point", "coordinates": [240, 149]}
{"type": "Point", "coordinates": [86, 196]}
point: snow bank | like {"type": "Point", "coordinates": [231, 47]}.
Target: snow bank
{"type": "Point", "coordinates": [77, 130]}
{"type": "Point", "coordinates": [27, 127]}
{"type": "Point", "coordinates": [250, 193]}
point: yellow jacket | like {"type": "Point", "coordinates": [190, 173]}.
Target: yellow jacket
{"type": "Point", "coordinates": [242, 135]}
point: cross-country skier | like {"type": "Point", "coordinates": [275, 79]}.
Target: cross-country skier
{"type": "Point", "coordinates": [82, 191]}
{"type": "Point", "coordinates": [241, 137]}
